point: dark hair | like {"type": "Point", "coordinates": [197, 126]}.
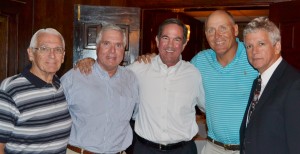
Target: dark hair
{"type": "Point", "coordinates": [173, 21]}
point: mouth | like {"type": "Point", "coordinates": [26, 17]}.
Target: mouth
{"type": "Point", "coordinates": [219, 42]}
{"type": "Point", "coordinates": [51, 63]}
{"type": "Point", "coordinates": [111, 58]}
{"type": "Point", "coordinates": [256, 59]}
{"type": "Point", "coordinates": [169, 50]}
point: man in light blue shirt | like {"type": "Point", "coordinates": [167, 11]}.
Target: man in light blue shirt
{"type": "Point", "coordinates": [102, 103]}
{"type": "Point", "coordinates": [227, 79]}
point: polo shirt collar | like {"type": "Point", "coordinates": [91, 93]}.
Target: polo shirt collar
{"type": "Point", "coordinates": [39, 83]}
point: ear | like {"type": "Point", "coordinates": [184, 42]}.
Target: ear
{"type": "Point", "coordinates": [63, 58]}
{"type": "Point", "coordinates": [236, 29]}
{"type": "Point", "coordinates": [30, 54]}
{"type": "Point", "coordinates": [277, 47]}
{"type": "Point", "coordinates": [183, 46]}
{"type": "Point", "coordinates": [157, 41]}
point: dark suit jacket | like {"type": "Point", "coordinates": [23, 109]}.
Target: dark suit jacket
{"type": "Point", "coordinates": [274, 127]}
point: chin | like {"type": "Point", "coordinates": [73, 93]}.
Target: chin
{"type": "Point", "coordinates": [258, 67]}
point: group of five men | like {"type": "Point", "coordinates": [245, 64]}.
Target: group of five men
{"type": "Point", "coordinates": [160, 96]}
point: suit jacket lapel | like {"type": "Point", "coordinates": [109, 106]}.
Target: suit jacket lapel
{"type": "Point", "coordinates": [269, 89]}
{"type": "Point", "coordinates": [243, 124]}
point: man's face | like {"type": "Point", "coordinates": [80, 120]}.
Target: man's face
{"type": "Point", "coordinates": [110, 50]}
{"type": "Point", "coordinates": [262, 53]}
{"type": "Point", "coordinates": [46, 62]}
{"type": "Point", "coordinates": [221, 32]}
{"type": "Point", "coordinates": [170, 44]}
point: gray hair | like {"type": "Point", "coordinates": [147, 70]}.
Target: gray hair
{"type": "Point", "coordinates": [263, 23]}
{"type": "Point", "coordinates": [173, 21]}
{"type": "Point", "coordinates": [53, 31]}
{"type": "Point", "coordinates": [111, 27]}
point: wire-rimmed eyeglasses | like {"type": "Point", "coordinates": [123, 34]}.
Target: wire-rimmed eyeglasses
{"type": "Point", "coordinates": [47, 50]}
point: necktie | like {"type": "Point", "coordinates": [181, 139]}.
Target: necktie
{"type": "Point", "coordinates": [255, 98]}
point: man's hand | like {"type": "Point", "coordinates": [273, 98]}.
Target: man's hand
{"type": "Point", "coordinates": [85, 65]}
{"type": "Point", "coordinates": [146, 58]}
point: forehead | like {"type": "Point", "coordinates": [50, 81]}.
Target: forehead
{"type": "Point", "coordinates": [48, 38]}
{"type": "Point", "coordinates": [172, 29]}
{"type": "Point", "coordinates": [218, 18]}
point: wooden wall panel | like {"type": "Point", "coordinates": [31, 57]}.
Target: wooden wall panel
{"type": "Point", "coordinates": [286, 16]}
{"type": "Point", "coordinates": [198, 3]}
{"type": "Point", "coordinates": [16, 31]}
{"type": "Point", "coordinates": [3, 46]}
{"type": "Point", "coordinates": [152, 19]}
{"type": "Point", "coordinates": [23, 17]}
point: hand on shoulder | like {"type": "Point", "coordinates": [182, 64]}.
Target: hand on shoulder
{"type": "Point", "coordinates": [145, 58]}
{"type": "Point", "coordinates": [85, 65]}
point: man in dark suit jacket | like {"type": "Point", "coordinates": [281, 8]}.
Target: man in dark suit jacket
{"type": "Point", "coordinates": [274, 125]}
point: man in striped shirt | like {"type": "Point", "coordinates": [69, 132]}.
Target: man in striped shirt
{"type": "Point", "coordinates": [34, 115]}
{"type": "Point", "coordinates": [227, 79]}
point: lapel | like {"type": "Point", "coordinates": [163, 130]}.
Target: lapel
{"type": "Point", "coordinates": [268, 91]}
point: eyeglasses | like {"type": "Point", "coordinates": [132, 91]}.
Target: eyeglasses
{"type": "Point", "coordinates": [47, 50]}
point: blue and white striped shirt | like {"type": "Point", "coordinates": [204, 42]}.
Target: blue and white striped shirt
{"type": "Point", "coordinates": [227, 92]}
{"type": "Point", "coordinates": [34, 115]}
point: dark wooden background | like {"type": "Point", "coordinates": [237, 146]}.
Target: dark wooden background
{"type": "Point", "coordinates": [19, 19]}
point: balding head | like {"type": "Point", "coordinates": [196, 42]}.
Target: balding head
{"type": "Point", "coordinates": [221, 32]}
{"type": "Point", "coordinates": [220, 14]}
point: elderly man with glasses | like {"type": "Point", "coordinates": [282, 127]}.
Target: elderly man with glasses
{"type": "Point", "coordinates": [34, 115]}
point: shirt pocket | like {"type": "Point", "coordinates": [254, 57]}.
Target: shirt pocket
{"type": "Point", "coordinates": [184, 103]}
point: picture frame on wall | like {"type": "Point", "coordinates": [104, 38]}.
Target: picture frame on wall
{"type": "Point", "coordinates": [90, 35]}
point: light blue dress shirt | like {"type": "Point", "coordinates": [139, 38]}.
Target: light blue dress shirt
{"type": "Point", "coordinates": [101, 107]}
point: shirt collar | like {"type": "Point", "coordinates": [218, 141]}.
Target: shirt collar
{"type": "Point", "coordinates": [240, 49]}
{"type": "Point", "coordinates": [104, 73]}
{"type": "Point", "coordinates": [162, 66]}
{"type": "Point", "coordinates": [265, 76]}
{"type": "Point", "coordinates": [38, 82]}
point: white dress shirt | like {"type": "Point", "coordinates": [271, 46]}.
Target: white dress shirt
{"type": "Point", "coordinates": [168, 97]}
{"type": "Point", "coordinates": [266, 75]}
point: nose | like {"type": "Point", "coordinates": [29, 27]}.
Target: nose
{"type": "Point", "coordinates": [171, 43]}
{"type": "Point", "coordinates": [113, 48]}
{"type": "Point", "coordinates": [51, 53]}
{"type": "Point", "coordinates": [218, 34]}
{"type": "Point", "coordinates": [254, 50]}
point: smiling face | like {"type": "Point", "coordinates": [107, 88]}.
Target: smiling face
{"type": "Point", "coordinates": [262, 53]}
{"type": "Point", "coordinates": [110, 50]}
{"type": "Point", "coordinates": [170, 44]}
{"type": "Point", "coordinates": [46, 64]}
{"type": "Point", "coordinates": [221, 32]}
